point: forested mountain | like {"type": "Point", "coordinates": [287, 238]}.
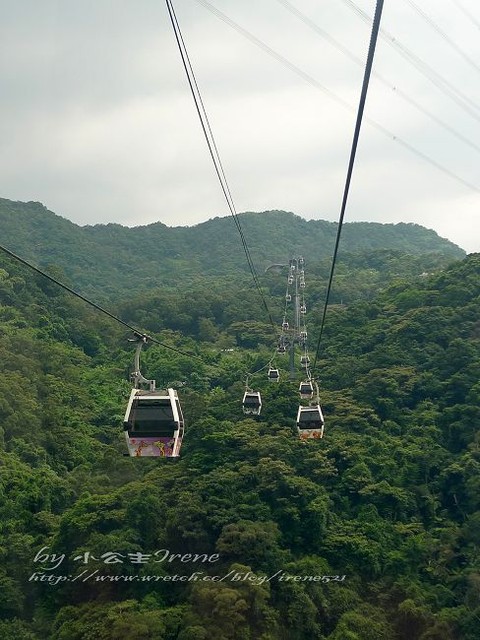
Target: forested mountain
{"type": "Point", "coordinates": [369, 534]}
{"type": "Point", "coordinates": [109, 259]}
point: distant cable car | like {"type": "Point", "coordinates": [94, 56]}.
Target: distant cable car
{"type": "Point", "coordinates": [153, 423]}
{"type": "Point", "coordinates": [310, 422]}
{"type": "Point", "coordinates": [288, 297]}
{"type": "Point", "coordinates": [302, 284]}
{"type": "Point", "coordinates": [303, 309]}
{"type": "Point", "coordinates": [273, 375]}
{"type": "Point", "coordinates": [252, 403]}
{"type": "Point", "coordinates": [282, 344]}
{"type": "Point", "coordinates": [306, 389]}
{"type": "Point", "coordinates": [303, 335]}
{"type": "Point", "coordinates": [290, 280]}
{"type": "Point", "coordinates": [304, 361]}
{"type": "Point", "coordinates": [285, 326]}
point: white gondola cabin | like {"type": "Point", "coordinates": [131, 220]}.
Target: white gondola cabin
{"type": "Point", "coordinates": [273, 375]}
{"type": "Point", "coordinates": [304, 361]}
{"type": "Point", "coordinates": [153, 423]}
{"type": "Point", "coordinates": [310, 422]}
{"type": "Point", "coordinates": [252, 403]}
{"type": "Point", "coordinates": [306, 389]}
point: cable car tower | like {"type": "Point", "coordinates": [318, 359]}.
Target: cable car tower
{"type": "Point", "coordinates": [294, 332]}
{"type": "Point", "coordinates": [153, 422]}
{"type": "Point", "coordinates": [310, 422]}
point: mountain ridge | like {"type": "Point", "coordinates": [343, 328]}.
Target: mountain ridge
{"type": "Point", "coordinates": [106, 256]}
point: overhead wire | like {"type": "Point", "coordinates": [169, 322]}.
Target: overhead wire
{"type": "Point", "coordinates": [317, 85]}
{"type": "Point", "coordinates": [213, 150]}
{"type": "Point", "coordinates": [467, 13]}
{"type": "Point", "coordinates": [425, 69]}
{"type": "Point", "coordinates": [249, 374]}
{"type": "Point", "coordinates": [442, 34]}
{"type": "Point", "coordinates": [96, 306]}
{"type": "Point", "coordinates": [402, 94]}
{"type": "Point", "coordinates": [356, 135]}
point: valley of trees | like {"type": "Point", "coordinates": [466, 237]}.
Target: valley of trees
{"type": "Point", "coordinates": [388, 503]}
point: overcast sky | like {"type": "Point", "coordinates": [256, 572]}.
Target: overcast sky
{"type": "Point", "coordinates": [97, 122]}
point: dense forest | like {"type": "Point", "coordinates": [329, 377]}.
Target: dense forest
{"type": "Point", "coordinates": [108, 260]}
{"type": "Point", "coordinates": [372, 533]}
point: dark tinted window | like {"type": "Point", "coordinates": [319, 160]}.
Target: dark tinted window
{"type": "Point", "coordinates": [310, 416]}
{"type": "Point", "coordinates": [152, 416]}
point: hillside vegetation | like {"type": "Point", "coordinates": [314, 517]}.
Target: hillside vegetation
{"type": "Point", "coordinates": [388, 502]}
{"type": "Point", "coordinates": [107, 260]}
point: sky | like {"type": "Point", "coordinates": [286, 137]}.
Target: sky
{"type": "Point", "coordinates": [98, 124]}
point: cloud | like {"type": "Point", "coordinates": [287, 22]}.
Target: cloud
{"type": "Point", "coordinates": [97, 121]}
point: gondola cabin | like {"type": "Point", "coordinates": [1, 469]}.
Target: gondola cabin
{"type": "Point", "coordinates": [306, 389]}
{"type": "Point", "coordinates": [310, 422]}
{"type": "Point", "coordinates": [304, 361]}
{"type": "Point", "coordinates": [273, 375]}
{"type": "Point", "coordinates": [252, 403]}
{"type": "Point", "coordinates": [285, 326]}
{"type": "Point", "coordinates": [153, 423]}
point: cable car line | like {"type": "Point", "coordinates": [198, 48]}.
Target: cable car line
{"type": "Point", "coordinates": [96, 306]}
{"type": "Point", "coordinates": [317, 85]}
{"type": "Point", "coordinates": [330, 39]}
{"type": "Point", "coordinates": [426, 70]}
{"type": "Point", "coordinates": [358, 124]}
{"type": "Point", "coordinates": [213, 150]}
{"type": "Point", "coordinates": [467, 13]}
{"type": "Point", "coordinates": [252, 400]}
{"type": "Point", "coordinates": [310, 423]}
{"type": "Point", "coordinates": [442, 33]}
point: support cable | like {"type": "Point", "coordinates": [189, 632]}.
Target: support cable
{"type": "Point", "coordinates": [212, 147]}
{"type": "Point", "coordinates": [96, 306]}
{"type": "Point", "coordinates": [250, 374]}
{"type": "Point", "coordinates": [426, 70]}
{"type": "Point", "coordinates": [442, 34]}
{"type": "Point", "coordinates": [317, 85]}
{"type": "Point", "coordinates": [358, 61]}
{"type": "Point", "coordinates": [361, 107]}
{"type": "Point", "coordinates": [467, 13]}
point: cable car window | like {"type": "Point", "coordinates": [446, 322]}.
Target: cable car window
{"type": "Point", "coordinates": [310, 418]}
{"type": "Point", "coordinates": [152, 416]}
